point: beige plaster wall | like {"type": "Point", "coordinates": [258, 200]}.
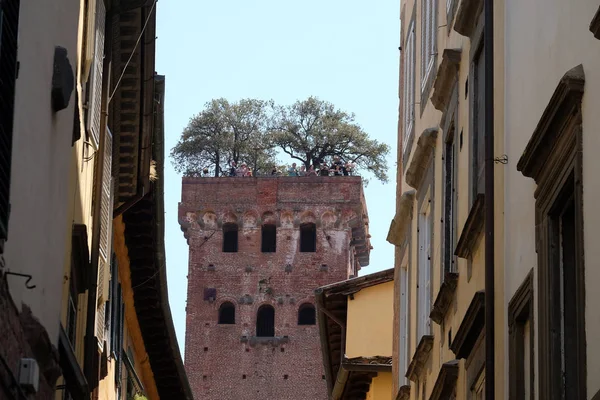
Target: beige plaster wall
{"type": "Point", "coordinates": [369, 323]}
{"type": "Point", "coordinates": [545, 39]}
{"type": "Point", "coordinates": [38, 226]}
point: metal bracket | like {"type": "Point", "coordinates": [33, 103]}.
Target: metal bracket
{"type": "Point", "coordinates": [501, 160]}
{"type": "Point", "coordinates": [29, 278]}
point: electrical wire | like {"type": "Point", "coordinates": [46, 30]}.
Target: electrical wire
{"type": "Point", "coordinates": [133, 51]}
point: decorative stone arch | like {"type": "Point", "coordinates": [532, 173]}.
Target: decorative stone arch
{"type": "Point", "coordinates": [250, 219]}
{"type": "Point", "coordinates": [307, 217]}
{"type": "Point", "coordinates": [208, 220]}
{"type": "Point", "coordinates": [350, 219]}
{"type": "Point", "coordinates": [269, 218]}
{"type": "Point", "coordinates": [286, 219]}
{"type": "Point", "coordinates": [229, 217]}
{"type": "Point", "coordinates": [328, 220]}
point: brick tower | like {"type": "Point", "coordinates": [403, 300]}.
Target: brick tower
{"type": "Point", "coordinates": [258, 249]}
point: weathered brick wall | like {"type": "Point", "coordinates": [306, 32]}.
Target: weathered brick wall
{"type": "Point", "coordinates": [220, 362]}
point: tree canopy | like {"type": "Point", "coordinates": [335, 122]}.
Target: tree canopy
{"type": "Point", "coordinates": [252, 131]}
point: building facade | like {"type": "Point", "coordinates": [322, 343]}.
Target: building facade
{"type": "Point", "coordinates": [438, 229]}
{"type": "Point", "coordinates": [82, 278]}
{"type": "Point", "coordinates": [259, 247]}
{"type": "Point", "coordinates": [356, 326]}
{"type": "Point", "coordinates": [545, 91]}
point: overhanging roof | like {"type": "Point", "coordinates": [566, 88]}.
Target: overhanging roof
{"type": "Point", "coordinates": [346, 378]}
{"type": "Point", "coordinates": [144, 236]}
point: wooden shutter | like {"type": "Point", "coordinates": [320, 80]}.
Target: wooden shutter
{"type": "Point", "coordinates": [9, 26]}
{"type": "Point", "coordinates": [105, 236]}
{"type": "Point", "coordinates": [95, 93]}
{"type": "Point", "coordinates": [409, 88]}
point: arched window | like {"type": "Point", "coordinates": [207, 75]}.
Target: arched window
{"type": "Point", "coordinates": [227, 313]}
{"type": "Point", "coordinates": [306, 314]}
{"type": "Point", "coordinates": [269, 238]}
{"type": "Point", "coordinates": [265, 321]}
{"type": "Point", "coordinates": [308, 238]}
{"type": "Point", "coordinates": [230, 238]}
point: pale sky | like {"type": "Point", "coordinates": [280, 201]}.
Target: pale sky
{"type": "Point", "coordinates": [342, 51]}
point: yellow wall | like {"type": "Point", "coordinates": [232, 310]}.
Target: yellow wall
{"type": "Point", "coordinates": [370, 321]}
{"type": "Point", "coordinates": [381, 387]}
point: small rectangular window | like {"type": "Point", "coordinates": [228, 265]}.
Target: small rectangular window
{"type": "Point", "coordinates": [478, 145]}
{"type": "Point", "coordinates": [230, 238]}
{"type": "Point", "coordinates": [308, 238]}
{"type": "Point", "coordinates": [269, 239]}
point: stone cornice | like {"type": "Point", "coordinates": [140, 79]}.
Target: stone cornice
{"type": "Point", "coordinates": [566, 98]}
{"type": "Point", "coordinates": [446, 381]}
{"type": "Point", "coordinates": [595, 25]}
{"type": "Point", "coordinates": [470, 328]}
{"type": "Point", "coordinates": [444, 298]}
{"type": "Point", "coordinates": [420, 160]}
{"type": "Point", "coordinates": [420, 358]}
{"type": "Point", "coordinates": [467, 15]}
{"type": "Point", "coordinates": [401, 222]}
{"type": "Point", "coordinates": [447, 74]}
{"type": "Point", "coordinates": [472, 229]}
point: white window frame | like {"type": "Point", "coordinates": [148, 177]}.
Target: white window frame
{"type": "Point", "coordinates": [428, 39]}
{"type": "Point", "coordinates": [409, 86]}
{"type": "Point", "coordinates": [424, 268]}
{"type": "Point", "coordinates": [404, 318]}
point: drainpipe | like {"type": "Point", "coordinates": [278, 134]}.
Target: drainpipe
{"type": "Point", "coordinates": [488, 40]}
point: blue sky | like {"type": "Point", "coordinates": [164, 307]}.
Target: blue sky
{"type": "Point", "coordinates": [345, 52]}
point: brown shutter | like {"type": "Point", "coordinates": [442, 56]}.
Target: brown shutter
{"type": "Point", "coordinates": [95, 97]}
{"type": "Point", "coordinates": [9, 23]}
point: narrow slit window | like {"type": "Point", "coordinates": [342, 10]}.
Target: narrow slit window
{"type": "Point", "coordinates": [265, 321]}
{"type": "Point", "coordinates": [306, 315]}
{"type": "Point", "coordinates": [230, 238]}
{"type": "Point", "coordinates": [308, 238]}
{"type": "Point", "coordinates": [269, 239]}
{"type": "Point", "coordinates": [227, 314]}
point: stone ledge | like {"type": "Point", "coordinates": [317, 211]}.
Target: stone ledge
{"type": "Point", "coordinates": [472, 229]}
{"type": "Point", "coordinates": [420, 160]}
{"type": "Point", "coordinates": [274, 341]}
{"type": "Point", "coordinates": [467, 15]}
{"type": "Point", "coordinates": [400, 224]}
{"type": "Point", "coordinates": [595, 25]}
{"type": "Point", "coordinates": [447, 74]}
{"type": "Point", "coordinates": [420, 358]}
{"type": "Point", "coordinates": [444, 298]}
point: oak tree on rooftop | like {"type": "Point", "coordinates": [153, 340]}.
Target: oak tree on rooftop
{"type": "Point", "coordinates": [251, 131]}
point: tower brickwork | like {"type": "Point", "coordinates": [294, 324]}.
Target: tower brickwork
{"type": "Point", "coordinates": [258, 247]}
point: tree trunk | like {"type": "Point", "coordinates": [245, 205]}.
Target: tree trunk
{"type": "Point", "coordinates": [217, 164]}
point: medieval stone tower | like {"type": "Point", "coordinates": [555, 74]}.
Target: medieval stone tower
{"type": "Point", "coordinates": [258, 249]}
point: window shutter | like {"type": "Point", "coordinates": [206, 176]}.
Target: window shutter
{"type": "Point", "coordinates": [90, 38]}
{"type": "Point", "coordinates": [9, 25]}
{"type": "Point", "coordinates": [105, 236]}
{"type": "Point", "coordinates": [95, 98]}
